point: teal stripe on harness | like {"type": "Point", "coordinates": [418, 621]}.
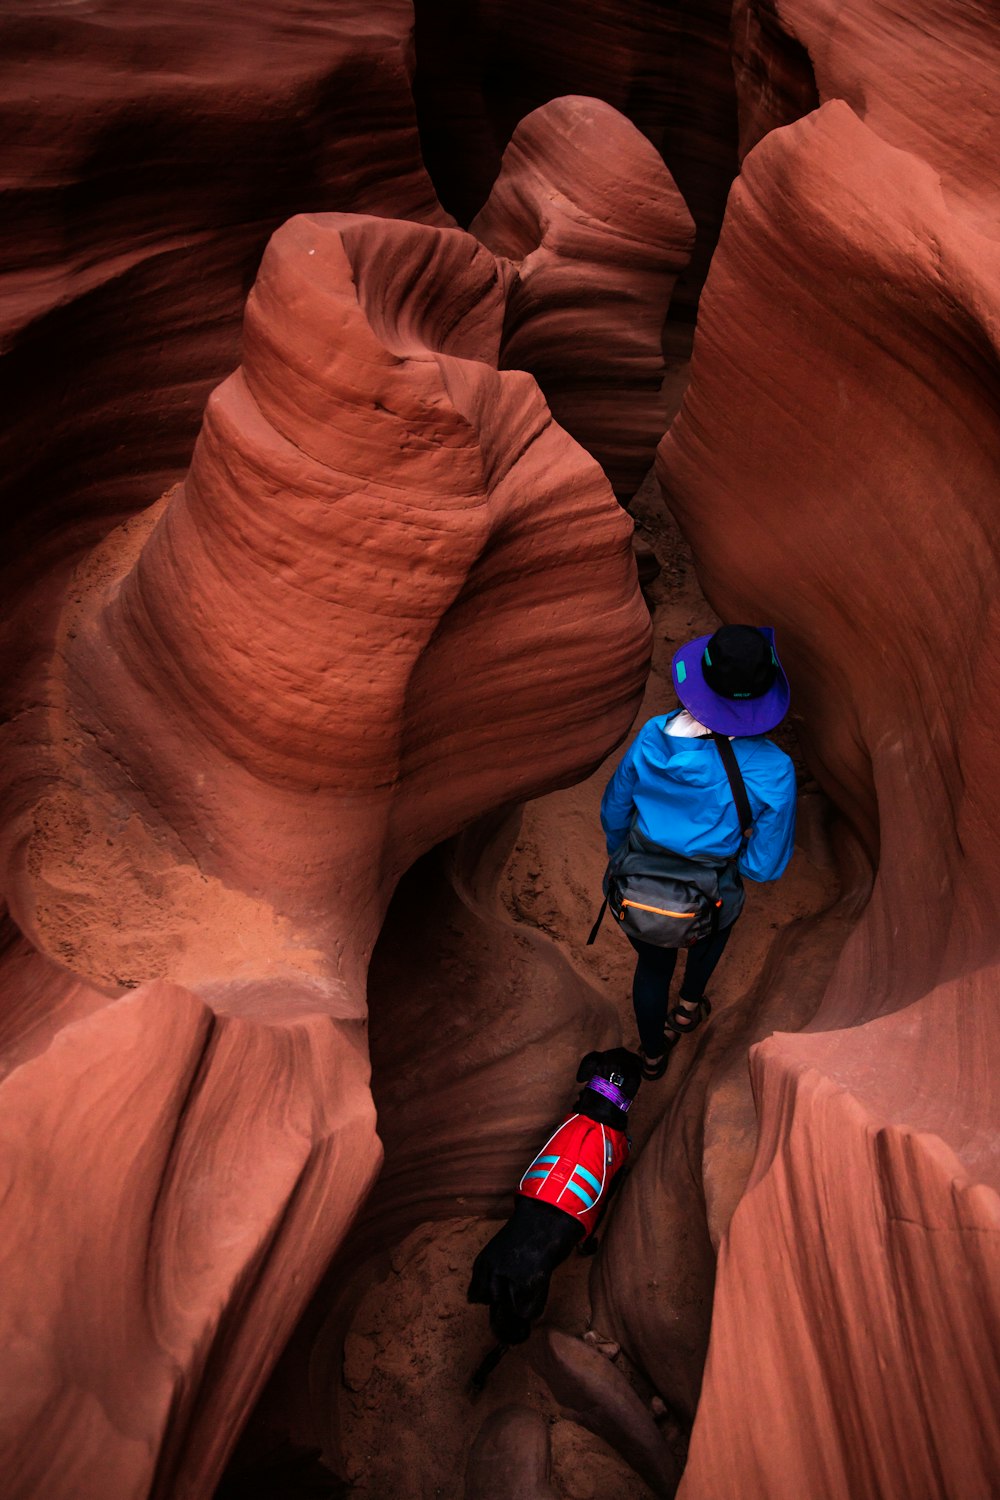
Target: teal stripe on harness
{"type": "Point", "coordinates": [585, 1198]}
{"type": "Point", "coordinates": [539, 1160]}
{"type": "Point", "coordinates": [588, 1177]}
{"type": "Point", "coordinates": [542, 1172]}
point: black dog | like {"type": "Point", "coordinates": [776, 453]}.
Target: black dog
{"type": "Point", "coordinates": [512, 1272]}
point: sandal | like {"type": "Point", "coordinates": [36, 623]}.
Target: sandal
{"type": "Point", "coordinates": [680, 1020]}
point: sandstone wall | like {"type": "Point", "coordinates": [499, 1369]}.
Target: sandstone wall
{"type": "Point", "coordinates": [835, 466]}
{"type": "Point", "coordinates": [392, 595]}
{"type": "Point", "coordinates": [597, 234]}
{"type": "Point", "coordinates": [147, 154]}
{"type": "Point", "coordinates": [368, 615]}
{"type": "Point", "coordinates": [665, 66]}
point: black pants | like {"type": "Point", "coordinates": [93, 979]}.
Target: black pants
{"type": "Point", "coordinates": [654, 970]}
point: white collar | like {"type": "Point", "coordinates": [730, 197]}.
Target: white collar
{"type": "Point", "coordinates": [685, 727]}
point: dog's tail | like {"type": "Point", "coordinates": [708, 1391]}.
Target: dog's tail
{"type": "Point", "coordinates": [485, 1369]}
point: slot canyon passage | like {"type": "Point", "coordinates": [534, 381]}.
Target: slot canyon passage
{"type": "Point", "coordinates": [389, 390]}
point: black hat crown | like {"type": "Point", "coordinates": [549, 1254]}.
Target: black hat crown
{"type": "Point", "coordinates": [739, 662]}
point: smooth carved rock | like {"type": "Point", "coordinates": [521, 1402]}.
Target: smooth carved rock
{"type": "Point", "coordinates": [170, 1175]}
{"type": "Point", "coordinates": [852, 273]}
{"type": "Point", "coordinates": [595, 1393]}
{"type": "Point", "coordinates": [922, 77]}
{"type": "Point", "coordinates": [922, 467]}
{"type": "Point", "coordinates": [370, 614]}
{"type": "Point", "coordinates": [380, 535]}
{"type": "Point", "coordinates": [509, 1459]}
{"type": "Point", "coordinates": [882, 1303]}
{"type": "Point", "coordinates": [652, 1283]}
{"type": "Point", "coordinates": [666, 67]}
{"type": "Point", "coordinates": [148, 154]}
{"type": "Point", "coordinates": [597, 233]}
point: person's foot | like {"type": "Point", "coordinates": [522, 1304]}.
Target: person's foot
{"type": "Point", "coordinates": [687, 1014]}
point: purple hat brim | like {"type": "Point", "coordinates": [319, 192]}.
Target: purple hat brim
{"type": "Point", "coordinates": [727, 715]}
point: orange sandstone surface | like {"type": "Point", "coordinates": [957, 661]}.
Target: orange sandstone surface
{"type": "Point", "coordinates": [381, 585]}
{"type": "Point", "coordinates": [849, 494]}
{"type": "Point", "coordinates": [270, 1049]}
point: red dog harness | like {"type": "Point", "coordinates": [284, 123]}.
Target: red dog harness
{"type": "Point", "coordinates": [575, 1168]}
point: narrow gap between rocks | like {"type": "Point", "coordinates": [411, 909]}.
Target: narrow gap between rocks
{"type": "Point", "coordinates": [469, 998]}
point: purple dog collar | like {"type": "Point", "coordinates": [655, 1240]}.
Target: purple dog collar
{"type": "Point", "coordinates": [612, 1092]}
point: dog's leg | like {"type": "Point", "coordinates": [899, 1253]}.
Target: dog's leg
{"type": "Point", "coordinates": [485, 1369]}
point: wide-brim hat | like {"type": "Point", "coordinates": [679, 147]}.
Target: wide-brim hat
{"type": "Point", "coordinates": [744, 707]}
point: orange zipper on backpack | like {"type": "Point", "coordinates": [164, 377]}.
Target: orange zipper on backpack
{"type": "Point", "coordinates": [659, 910]}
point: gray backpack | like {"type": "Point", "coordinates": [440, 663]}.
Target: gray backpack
{"type": "Point", "coordinates": [673, 900]}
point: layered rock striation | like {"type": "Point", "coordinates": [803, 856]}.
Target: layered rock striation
{"type": "Point", "coordinates": [597, 235]}
{"type": "Point", "coordinates": [254, 687]}
{"type": "Point", "coordinates": [922, 79]}
{"type": "Point", "coordinates": [368, 615]}
{"type": "Point", "coordinates": [392, 595]}
{"type": "Point", "coordinates": [146, 156]}
{"type": "Point", "coordinates": [173, 1179]}
{"type": "Point", "coordinates": [666, 67]}
{"type": "Point", "coordinates": [868, 1242]}
{"type": "Point", "coordinates": [835, 465]}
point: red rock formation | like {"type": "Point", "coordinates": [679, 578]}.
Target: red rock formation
{"type": "Point", "coordinates": [250, 727]}
{"type": "Point", "coordinates": [169, 1172]}
{"type": "Point", "coordinates": [338, 642]}
{"type": "Point", "coordinates": [877, 1176]}
{"type": "Point", "coordinates": [595, 1393]}
{"type": "Point", "coordinates": [510, 1457]}
{"type": "Point", "coordinates": [775, 83]}
{"type": "Point", "coordinates": [296, 685]}
{"type": "Point", "coordinates": [146, 154]}
{"type": "Point", "coordinates": [848, 494]}
{"type": "Point", "coordinates": [665, 66]}
{"type": "Point", "coordinates": [922, 77]}
{"type": "Point", "coordinates": [597, 233]}
{"type": "Point", "coordinates": [653, 1284]}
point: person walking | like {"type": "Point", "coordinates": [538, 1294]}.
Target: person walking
{"type": "Point", "coordinates": [672, 790]}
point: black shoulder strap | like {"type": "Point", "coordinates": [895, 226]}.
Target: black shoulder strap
{"type": "Point", "coordinates": [736, 783]}
{"type": "Point", "coordinates": [597, 925]}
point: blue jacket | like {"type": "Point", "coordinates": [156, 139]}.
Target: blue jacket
{"type": "Point", "coordinates": [681, 792]}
